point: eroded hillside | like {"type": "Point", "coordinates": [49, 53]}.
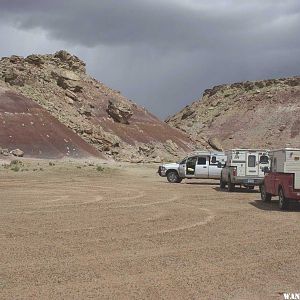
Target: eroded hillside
{"type": "Point", "coordinates": [248, 114]}
{"type": "Point", "coordinates": [28, 127]}
{"type": "Point", "coordinates": [104, 118]}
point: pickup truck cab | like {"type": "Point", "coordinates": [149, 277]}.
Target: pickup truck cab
{"type": "Point", "coordinates": [283, 177]}
{"type": "Point", "coordinates": [200, 164]}
{"type": "Point", "coordinates": [244, 167]}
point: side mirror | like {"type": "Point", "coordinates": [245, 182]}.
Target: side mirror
{"type": "Point", "coordinates": [266, 170]}
{"type": "Point", "coordinates": [219, 165]}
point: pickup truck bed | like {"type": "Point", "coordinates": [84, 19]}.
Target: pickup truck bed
{"type": "Point", "coordinates": [282, 185]}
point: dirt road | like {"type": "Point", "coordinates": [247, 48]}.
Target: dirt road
{"type": "Point", "coordinates": [76, 233]}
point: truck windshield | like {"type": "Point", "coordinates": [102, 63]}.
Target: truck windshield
{"type": "Point", "coordinates": [264, 159]}
{"type": "Point", "coordinates": [183, 161]}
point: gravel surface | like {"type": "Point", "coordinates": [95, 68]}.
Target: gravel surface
{"type": "Point", "coordinates": [75, 232]}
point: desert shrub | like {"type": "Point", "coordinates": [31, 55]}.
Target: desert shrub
{"type": "Point", "coordinates": [100, 169]}
{"type": "Point", "coordinates": [15, 165]}
{"type": "Point", "coordinates": [16, 162]}
{"type": "Point", "coordinates": [15, 168]}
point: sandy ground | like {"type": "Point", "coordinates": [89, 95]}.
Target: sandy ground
{"type": "Point", "coordinates": [71, 232]}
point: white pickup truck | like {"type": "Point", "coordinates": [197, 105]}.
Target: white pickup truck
{"type": "Point", "coordinates": [244, 167]}
{"type": "Point", "coordinates": [200, 164]}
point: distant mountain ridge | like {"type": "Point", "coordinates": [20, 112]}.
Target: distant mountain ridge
{"type": "Point", "coordinates": [262, 113]}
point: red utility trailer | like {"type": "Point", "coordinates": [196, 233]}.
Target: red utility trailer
{"type": "Point", "coordinates": [283, 179]}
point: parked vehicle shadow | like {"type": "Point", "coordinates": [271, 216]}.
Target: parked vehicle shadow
{"type": "Point", "coordinates": [237, 190]}
{"type": "Point", "coordinates": [201, 183]}
{"type": "Point", "coordinates": [273, 206]}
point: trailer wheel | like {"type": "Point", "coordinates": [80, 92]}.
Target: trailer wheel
{"type": "Point", "coordinates": [230, 186]}
{"type": "Point", "coordinates": [265, 197]}
{"type": "Point", "coordinates": [222, 184]}
{"type": "Point", "coordinates": [283, 201]}
{"type": "Point", "coordinates": [173, 177]}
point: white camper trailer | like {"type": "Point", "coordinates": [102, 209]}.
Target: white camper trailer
{"type": "Point", "coordinates": [244, 167]}
{"type": "Point", "coordinates": [286, 161]}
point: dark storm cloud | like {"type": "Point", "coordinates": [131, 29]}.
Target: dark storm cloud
{"type": "Point", "coordinates": [157, 23]}
{"type": "Point", "coordinates": [164, 53]}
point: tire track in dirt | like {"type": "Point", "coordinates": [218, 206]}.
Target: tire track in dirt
{"type": "Point", "coordinates": [207, 220]}
{"type": "Point", "coordinates": [118, 207]}
{"type": "Point", "coordinates": [60, 198]}
{"type": "Point", "coordinates": [146, 204]}
{"type": "Point", "coordinates": [100, 198]}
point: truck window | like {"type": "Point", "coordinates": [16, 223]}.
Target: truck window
{"type": "Point", "coordinates": [213, 160]}
{"type": "Point", "coordinates": [251, 161]}
{"type": "Point", "coordinates": [201, 160]}
{"type": "Point", "coordinates": [264, 159]}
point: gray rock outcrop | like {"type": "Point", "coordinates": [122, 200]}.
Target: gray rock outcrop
{"type": "Point", "coordinates": [120, 111]}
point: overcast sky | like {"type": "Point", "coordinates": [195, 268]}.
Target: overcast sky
{"type": "Point", "coordinates": [160, 53]}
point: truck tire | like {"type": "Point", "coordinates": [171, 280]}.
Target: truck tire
{"type": "Point", "coordinates": [230, 186]}
{"type": "Point", "coordinates": [283, 201]}
{"type": "Point", "coordinates": [265, 197]}
{"type": "Point", "coordinates": [173, 177]}
{"type": "Point", "coordinates": [222, 184]}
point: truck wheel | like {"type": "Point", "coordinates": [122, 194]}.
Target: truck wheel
{"type": "Point", "coordinates": [265, 197]}
{"type": "Point", "coordinates": [222, 184]}
{"type": "Point", "coordinates": [173, 177]}
{"type": "Point", "coordinates": [283, 201]}
{"type": "Point", "coordinates": [230, 186]}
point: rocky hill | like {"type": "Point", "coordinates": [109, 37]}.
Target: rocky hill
{"type": "Point", "coordinates": [27, 128]}
{"type": "Point", "coordinates": [104, 118]}
{"type": "Point", "coordinates": [248, 114]}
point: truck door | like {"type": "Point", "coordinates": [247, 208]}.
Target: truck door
{"type": "Point", "coordinates": [252, 164]}
{"type": "Point", "coordinates": [181, 169]}
{"type": "Point", "coordinates": [202, 167]}
{"type": "Point", "coordinates": [190, 168]}
{"type": "Point", "coordinates": [214, 168]}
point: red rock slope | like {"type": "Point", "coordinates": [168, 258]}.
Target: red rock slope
{"type": "Point", "coordinates": [26, 125]}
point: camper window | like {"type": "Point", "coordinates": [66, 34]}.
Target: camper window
{"type": "Point", "coordinates": [251, 161]}
{"type": "Point", "coordinates": [264, 159]}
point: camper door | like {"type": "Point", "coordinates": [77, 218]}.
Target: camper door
{"type": "Point", "coordinates": [252, 164]}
